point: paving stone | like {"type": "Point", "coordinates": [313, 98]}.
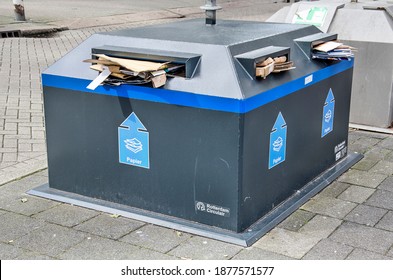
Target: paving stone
{"type": "Point", "coordinates": [356, 194]}
{"type": "Point", "coordinates": [296, 220]}
{"type": "Point", "coordinates": [383, 167]}
{"type": "Point", "coordinates": [363, 237]}
{"type": "Point", "coordinates": [360, 254]}
{"type": "Point", "coordinates": [353, 137]}
{"type": "Point", "coordinates": [358, 148]}
{"type": "Point", "coordinates": [254, 253]}
{"type": "Point", "coordinates": [13, 226]}
{"type": "Point", "coordinates": [365, 164]}
{"type": "Point", "coordinates": [328, 250]}
{"type": "Point", "coordinates": [320, 226]}
{"type": "Point", "coordinates": [382, 199]}
{"type": "Point", "coordinates": [365, 134]}
{"type": "Point", "coordinates": [287, 243]}
{"type": "Point", "coordinates": [66, 215]}
{"type": "Point", "coordinates": [389, 157]}
{"type": "Point", "coordinates": [98, 248]}
{"type": "Point", "coordinates": [387, 184]}
{"type": "Point", "coordinates": [386, 222]}
{"type": "Point", "coordinates": [334, 189]}
{"type": "Point", "coordinates": [386, 143]}
{"type": "Point", "coordinates": [366, 215]}
{"type": "Point", "coordinates": [377, 153]}
{"type": "Point", "coordinates": [156, 238]}
{"type": "Point", "coordinates": [106, 226]}
{"type": "Point", "coordinates": [368, 141]}
{"type": "Point", "coordinates": [9, 251]}
{"type": "Point", "coordinates": [26, 204]}
{"type": "Point", "coordinates": [362, 178]}
{"type": "Point", "coordinates": [328, 206]}
{"type": "Point", "coordinates": [28, 255]}
{"type": "Point", "coordinates": [200, 248]}
{"type": "Point", "coordinates": [50, 240]}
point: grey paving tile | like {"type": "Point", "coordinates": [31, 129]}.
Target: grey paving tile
{"type": "Point", "coordinates": [328, 206]}
{"type": "Point", "coordinates": [287, 243]}
{"type": "Point", "coordinates": [368, 141]}
{"type": "Point", "coordinates": [25, 204]}
{"type": "Point", "coordinates": [2, 212]}
{"type": "Point", "coordinates": [356, 194]}
{"type": "Point", "coordinates": [98, 248]}
{"type": "Point", "coordinates": [327, 249]}
{"type": "Point", "coordinates": [334, 189]}
{"type": "Point", "coordinates": [386, 222]}
{"type": "Point", "coordinates": [200, 248]}
{"type": "Point", "coordinates": [66, 215]}
{"type": "Point", "coordinates": [110, 227]}
{"type": "Point", "coordinates": [366, 134]}
{"type": "Point", "coordinates": [156, 238]}
{"type": "Point", "coordinates": [353, 137]}
{"type": "Point", "coordinates": [28, 255]}
{"type": "Point", "coordinates": [383, 167]}
{"type": "Point", "coordinates": [362, 178]}
{"type": "Point", "coordinates": [320, 226]}
{"type": "Point", "coordinates": [254, 253]}
{"type": "Point", "coordinates": [9, 251]}
{"type": "Point", "coordinates": [296, 220]}
{"type": "Point", "coordinates": [13, 226]}
{"type": "Point", "coordinates": [23, 185]}
{"type": "Point", "coordinates": [389, 157]}
{"type": "Point", "coordinates": [358, 148]}
{"type": "Point", "coordinates": [365, 164]}
{"type": "Point", "coordinates": [366, 215]}
{"type": "Point", "coordinates": [363, 237]}
{"type": "Point", "coordinates": [50, 240]}
{"type": "Point", "coordinates": [387, 184]}
{"type": "Point", "coordinates": [386, 143]}
{"type": "Point", "coordinates": [360, 254]}
{"type": "Point", "coordinates": [382, 199]}
{"type": "Point", "coordinates": [377, 153]}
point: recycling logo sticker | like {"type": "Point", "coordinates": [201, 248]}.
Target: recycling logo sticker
{"type": "Point", "coordinates": [328, 114]}
{"type": "Point", "coordinates": [278, 142]}
{"type": "Point", "coordinates": [133, 142]}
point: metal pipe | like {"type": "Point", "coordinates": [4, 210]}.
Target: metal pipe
{"type": "Point", "coordinates": [210, 10]}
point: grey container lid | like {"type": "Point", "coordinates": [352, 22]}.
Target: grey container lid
{"type": "Point", "coordinates": [218, 72]}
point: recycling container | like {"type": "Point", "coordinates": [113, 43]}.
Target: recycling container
{"type": "Point", "coordinates": [219, 152]}
{"type": "Point", "coordinates": [367, 26]}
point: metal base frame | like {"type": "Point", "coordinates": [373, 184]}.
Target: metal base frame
{"type": "Point", "coordinates": [246, 238]}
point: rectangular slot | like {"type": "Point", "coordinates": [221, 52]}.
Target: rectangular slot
{"type": "Point", "coordinates": [307, 43]}
{"type": "Point", "coordinates": [249, 60]}
{"type": "Point", "coordinates": [190, 61]}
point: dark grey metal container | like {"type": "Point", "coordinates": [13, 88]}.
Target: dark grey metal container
{"type": "Point", "coordinates": [219, 153]}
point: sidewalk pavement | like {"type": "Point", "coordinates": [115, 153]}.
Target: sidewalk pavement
{"type": "Point", "coordinates": [351, 219]}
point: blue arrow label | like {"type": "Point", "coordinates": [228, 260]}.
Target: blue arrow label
{"type": "Point", "coordinates": [278, 142]}
{"type": "Point", "coordinates": [134, 142]}
{"type": "Point", "coordinates": [328, 114]}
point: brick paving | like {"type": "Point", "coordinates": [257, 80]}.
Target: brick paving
{"type": "Point", "coordinates": [351, 219]}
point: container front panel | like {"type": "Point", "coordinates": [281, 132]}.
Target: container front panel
{"type": "Point", "coordinates": [169, 159]}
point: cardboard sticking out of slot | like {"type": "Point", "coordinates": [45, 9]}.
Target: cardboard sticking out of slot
{"type": "Point", "coordinates": [306, 44]}
{"type": "Point", "coordinates": [189, 60]}
{"type": "Point", "coordinates": [249, 60]}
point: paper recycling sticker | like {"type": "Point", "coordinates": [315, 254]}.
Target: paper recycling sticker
{"type": "Point", "coordinates": [134, 142]}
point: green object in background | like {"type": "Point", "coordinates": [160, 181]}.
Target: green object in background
{"type": "Point", "coordinates": [315, 16]}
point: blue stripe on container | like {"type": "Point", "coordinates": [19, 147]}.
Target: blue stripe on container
{"type": "Point", "coordinates": [197, 100]}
